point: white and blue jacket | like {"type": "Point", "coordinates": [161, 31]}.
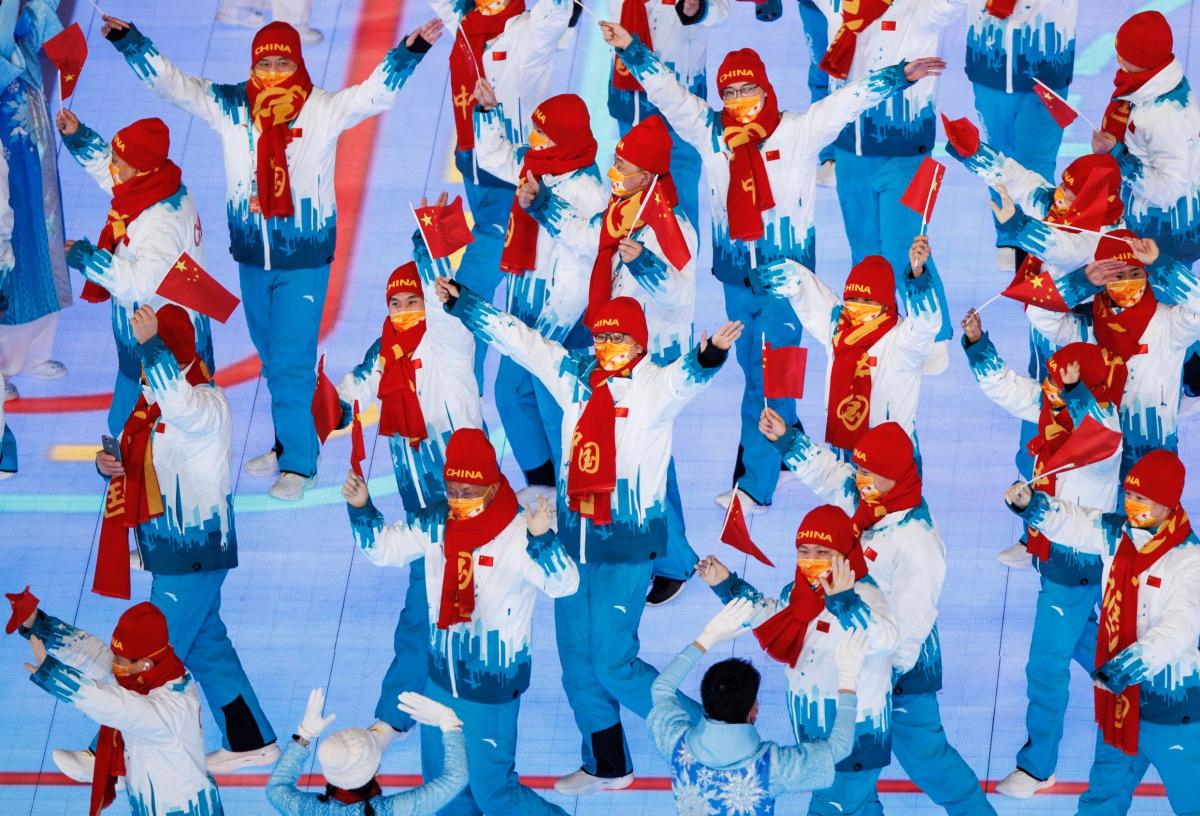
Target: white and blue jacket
{"type": "Point", "coordinates": [1036, 41]}
{"type": "Point", "coordinates": [446, 390]}
{"type": "Point", "coordinates": [489, 659]}
{"type": "Point", "coordinates": [551, 297]}
{"type": "Point", "coordinates": [667, 294]}
{"type": "Point", "coordinates": [518, 63]}
{"type": "Point", "coordinates": [905, 555]}
{"type": "Point", "coordinates": [165, 771]}
{"type": "Point", "coordinates": [285, 796]}
{"type": "Point", "coordinates": [1150, 406]}
{"type": "Point", "coordinates": [903, 125]}
{"type": "Point", "coordinates": [1160, 163]}
{"type": "Point", "coordinates": [133, 271]}
{"type": "Point", "coordinates": [790, 155]}
{"type": "Point", "coordinates": [899, 359]}
{"type": "Point", "coordinates": [1095, 485]}
{"type": "Point", "coordinates": [812, 694]}
{"type": "Point", "coordinates": [1164, 659]}
{"type": "Point", "coordinates": [728, 766]}
{"type": "Point", "coordinates": [647, 403]}
{"type": "Point", "coordinates": [682, 45]}
{"type": "Point", "coordinates": [192, 450]}
{"type": "Point", "coordinates": [307, 239]}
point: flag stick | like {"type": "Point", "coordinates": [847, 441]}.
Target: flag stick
{"type": "Point", "coordinates": [764, 370]}
{"type": "Point", "coordinates": [588, 10]}
{"type": "Point", "coordinates": [728, 509]}
{"type": "Point", "coordinates": [467, 45]}
{"type": "Point", "coordinates": [1088, 231]}
{"type": "Point", "coordinates": [96, 6]}
{"type": "Point", "coordinates": [642, 205]}
{"type": "Point", "coordinates": [1059, 469]}
{"type": "Point", "coordinates": [424, 240]}
{"type": "Point", "coordinates": [928, 198]}
{"type": "Point", "coordinates": [1081, 114]}
{"type": "Point", "coordinates": [988, 302]}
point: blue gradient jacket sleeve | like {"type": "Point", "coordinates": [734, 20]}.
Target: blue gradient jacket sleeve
{"type": "Point", "coordinates": [668, 721]}
{"type": "Point", "coordinates": [821, 470]}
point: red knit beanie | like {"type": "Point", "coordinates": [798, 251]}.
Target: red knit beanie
{"type": "Point", "coordinates": [565, 119]}
{"type": "Point", "coordinates": [872, 278]}
{"type": "Point", "coordinates": [277, 40]}
{"type": "Point", "coordinates": [743, 65]}
{"type": "Point", "coordinates": [1111, 247]}
{"type": "Point", "coordinates": [471, 458]}
{"type": "Point", "coordinates": [647, 146]}
{"type": "Point", "coordinates": [624, 315]}
{"type": "Point", "coordinates": [1145, 40]}
{"type": "Point", "coordinates": [404, 280]}
{"type": "Point", "coordinates": [886, 450]}
{"type": "Point", "coordinates": [829, 526]}
{"type": "Point", "coordinates": [143, 144]}
{"type": "Point", "coordinates": [141, 633]}
{"type": "Point", "coordinates": [1159, 476]}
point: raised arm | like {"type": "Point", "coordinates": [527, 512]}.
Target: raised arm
{"type": "Point", "coordinates": [1183, 287]}
{"type": "Point", "coordinates": [690, 374]}
{"type": "Point", "coordinates": [438, 792]}
{"type": "Point", "coordinates": [689, 115]}
{"type": "Point", "coordinates": [88, 148]}
{"type": "Point", "coordinates": [107, 703]}
{"type": "Point", "coordinates": [196, 409]}
{"type": "Point", "coordinates": [282, 792]}
{"type": "Point", "coordinates": [826, 118]}
{"type": "Point", "coordinates": [548, 566]}
{"type": "Point", "coordinates": [1066, 523]}
{"type": "Point", "coordinates": [918, 332]}
{"type": "Point", "coordinates": [578, 230]}
{"type": "Point", "coordinates": [819, 468]}
{"type": "Point", "coordinates": [155, 244]}
{"type": "Point", "coordinates": [385, 545]}
{"type": "Point", "coordinates": [1020, 396]}
{"type": "Point", "coordinates": [195, 95]}
{"type": "Point", "coordinates": [668, 721]}
{"type": "Point", "coordinates": [810, 298]}
{"type": "Point", "coordinates": [1162, 176]}
{"type": "Point", "coordinates": [494, 152]}
{"type": "Point", "coordinates": [1033, 193]}
{"type": "Point", "coordinates": [72, 646]}
{"type": "Point", "coordinates": [351, 105]}
{"type": "Point", "coordinates": [538, 39]}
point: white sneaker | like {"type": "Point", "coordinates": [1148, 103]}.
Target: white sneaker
{"type": "Point", "coordinates": [222, 761]}
{"type": "Point", "coordinates": [826, 176]}
{"type": "Point", "coordinates": [78, 766]}
{"type": "Point", "coordinates": [1015, 557]}
{"type": "Point", "coordinates": [7, 474]}
{"type": "Point", "coordinates": [1020, 785]}
{"type": "Point", "coordinates": [10, 391]}
{"type": "Point", "coordinates": [1006, 259]}
{"type": "Point", "coordinates": [291, 486]}
{"type": "Point", "coordinates": [384, 735]}
{"type": "Point", "coordinates": [749, 505]}
{"type": "Point", "coordinates": [243, 17]}
{"type": "Point", "coordinates": [135, 559]}
{"type": "Point", "coordinates": [265, 465]}
{"type": "Point", "coordinates": [47, 370]}
{"type": "Point", "coordinates": [582, 783]}
{"type": "Point", "coordinates": [310, 35]}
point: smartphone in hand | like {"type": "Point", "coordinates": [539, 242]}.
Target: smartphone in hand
{"type": "Point", "coordinates": [111, 446]}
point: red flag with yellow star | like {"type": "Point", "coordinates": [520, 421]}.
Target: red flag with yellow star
{"type": "Point", "coordinates": [189, 285]}
{"type": "Point", "coordinates": [1037, 290]}
{"type": "Point", "coordinates": [659, 216]}
{"type": "Point", "coordinates": [922, 192]}
{"type": "Point", "coordinates": [326, 404]}
{"type": "Point", "coordinates": [68, 51]}
{"type": "Point", "coordinates": [963, 135]}
{"type": "Point", "coordinates": [736, 534]}
{"type": "Point", "coordinates": [1062, 113]}
{"type": "Point", "coordinates": [358, 448]}
{"type": "Point", "coordinates": [445, 228]}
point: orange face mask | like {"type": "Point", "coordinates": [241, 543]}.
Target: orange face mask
{"type": "Point", "coordinates": [742, 108]}
{"type": "Point", "coordinates": [463, 508]}
{"type": "Point", "coordinates": [860, 313]}
{"type": "Point", "coordinates": [490, 9]}
{"type": "Point", "coordinates": [1053, 392]}
{"type": "Point", "coordinates": [538, 140]}
{"type": "Point", "coordinates": [1126, 292]}
{"type": "Point", "coordinates": [615, 356]}
{"type": "Point", "coordinates": [1138, 513]}
{"type": "Point", "coordinates": [813, 568]}
{"type": "Point", "coordinates": [402, 321]}
{"type": "Point", "coordinates": [271, 79]}
{"type": "Point", "coordinates": [620, 181]}
{"type": "Point", "coordinates": [866, 486]}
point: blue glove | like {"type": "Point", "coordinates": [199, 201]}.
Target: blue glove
{"type": "Point", "coordinates": [1126, 669]}
{"type": "Point", "coordinates": [80, 253]}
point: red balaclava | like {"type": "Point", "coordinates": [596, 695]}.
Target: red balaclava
{"type": "Point", "coordinates": [887, 451]}
{"type": "Point", "coordinates": [273, 109]}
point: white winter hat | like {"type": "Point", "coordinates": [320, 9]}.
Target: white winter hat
{"type": "Point", "coordinates": [349, 758]}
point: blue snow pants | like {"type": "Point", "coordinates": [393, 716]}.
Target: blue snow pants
{"type": "Point", "coordinates": [1173, 750]}
{"type": "Point", "coordinates": [919, 743]}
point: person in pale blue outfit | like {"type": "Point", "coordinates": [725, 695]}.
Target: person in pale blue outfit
{"type": "Point", "coordinates": [38, 286]}
{"type": "Point", "coordinates": [349, 760]}
{"type": "Point", "coordinates": [720, 765]}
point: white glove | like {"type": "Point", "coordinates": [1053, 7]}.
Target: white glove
{"type": "Point", "coordinates": [429, 712]}
{"type": "Point", "coordinates": [727, 624]}
{"type": "Point", "coordinates": [313, 723]}
{"type": "Point", "coordinates": [848, 657]}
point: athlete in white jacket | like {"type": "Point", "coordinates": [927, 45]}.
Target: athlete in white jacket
{"type": "Point", "coordinates": [282, 232]}
{"type": "Point", "coordinates": [130, 271]}
{"type": "Point", "coordinates": [443, 380]}
{"type": "Point", "coordinates": [1147, 665]}
{"type": "Point", "coordinates": [138, 690]}
{"type": "Point", "coordinates": [486, 563]}
{"type": "Point", "coordinates": [8, 442]}
{"type": "Point", "coordinates": [906, 557]}
{"type": "Point", "coordinates": [771, 156]}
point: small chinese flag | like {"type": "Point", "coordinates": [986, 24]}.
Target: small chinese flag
{"type": "Point", "coordinates": [1037, 290]}
{"type": "Point", "coordinates": [661, 218]}
{"type": "Point", "coordinates": [1090, 442]}
{"type": "Point", "coordinates": [24, 604]}
{"type": "Point", "coordinates": [189, 285]}
{"type": "Point", "coordinates": [922, 191]}
{"type": "Point", "coordinates": [358, 448]}
{"type": "Point", "coordinates": [783, 371]}
{"type": "Point", "coordinates": [736, 534]}
{"type": "Point", "coordinates": [1062, 113]}
{"type": "Point", "coordinates": [68, 51]}
{"type": "Point", "coordinates": [963, 134]}
{"type": "Point", "coordinates": [445, 228]}
{"type": "Point", "coordinates": [326, 404]}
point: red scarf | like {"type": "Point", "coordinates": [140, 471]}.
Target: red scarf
{"type": "Point", "coordinates": [749, 193]}
{"type": "Point", "coordinates": [129, 200]}
{"type": "Point", "coordinates": [362, 794]}
{"type": "Point", "coordinates": [634, 20]}
{"type": "Point", "coordinates": [475, 30]}
{"type": "Point", "coordinates": [463, 538]}
{"type": "Point", "coordinates": [856, 18]}
{"type": "Point", "coordinates": [1001, 9]}
{"type": "Point", "coordinates": [619, 222]}
{"type": "Point", "coordinates": [574, 149]}
{"type": "Point", "coordinates": [399, 408]}
{"type": "Point", "coordinates": [110, 745]}
{"type": "Point", "coordinates": [132, 499]}
{"type": "Point", "coordinates": [1118, 714]}
{"type": "Point", "coordinates": [592, 475]}
{"type": "Point", "coordinates": [1116, 115]}
{"type": "Point", "coordinates": [1120, 333]}
{"type": "Point", "coordinates": [849, 408]}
